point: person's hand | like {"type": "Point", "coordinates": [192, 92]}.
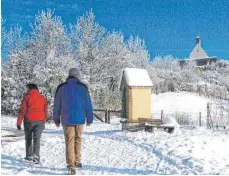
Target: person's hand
{"type": "Point", "coordinates": [18, 127]}
{"type": "Point", "coordinates": [57, 125]}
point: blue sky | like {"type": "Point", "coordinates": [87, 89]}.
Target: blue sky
{"type": "Point", "coordinates": [167, 26]}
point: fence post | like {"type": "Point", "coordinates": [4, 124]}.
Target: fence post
{"type": "Point", "coordinates": [106, 116]}
{"type": "Point", "coordinates": [200, 118]}
{"type": "Point", "coordinates": [208, 114]}
{"type": "Point", "coordinates": [109, 116]}
{"type": "Point", "coordinates": [205, 86]}
{"type": "Point", "coordinates": [161, 114]}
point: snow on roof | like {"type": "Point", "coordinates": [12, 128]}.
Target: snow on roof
{"type": "Point", "coordinates": [137, 77]}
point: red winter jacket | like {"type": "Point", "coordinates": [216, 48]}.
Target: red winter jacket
{"type": "Point", "coordinates": [33, 108]}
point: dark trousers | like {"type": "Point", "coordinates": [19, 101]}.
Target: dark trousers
{"type": "Point", "coordinates": [33, 131]}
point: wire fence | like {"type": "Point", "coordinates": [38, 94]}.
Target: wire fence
{"type": "Point", "coordinates": [216, 116]}
{"type": "Point", "coordinates": [184, 118]}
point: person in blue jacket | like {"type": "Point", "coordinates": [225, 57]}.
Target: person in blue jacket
{"type": "Point", "coordinates": [72, 108]}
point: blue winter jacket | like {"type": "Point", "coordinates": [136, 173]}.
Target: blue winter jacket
{"type": "Point", "coordinates": [72, 103]}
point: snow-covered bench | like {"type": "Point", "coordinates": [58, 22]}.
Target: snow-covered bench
{"type": "Point", "coordinates": [149, 124]}
{"type": "Point", "coordinates": [132, 125]}
{"type": "Point", "coordinates": [145, 123]}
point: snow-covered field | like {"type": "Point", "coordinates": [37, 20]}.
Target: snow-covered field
{"type": "Point", "coordinates": [108, 150]}
{"type": "Point", "coordinates": [188, 105]}
{"type": "Point", "coordinates": [171, 102]}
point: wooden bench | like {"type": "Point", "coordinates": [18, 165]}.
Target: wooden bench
{"type": "Point", "coordinates": [145, 123]}
{"type": "Point", "coordinates": [134, 125]}
{"type": "Point", "coordinates": [149, 128]}
{"type": "Point", "coordinates": [149, 124]}
{"type": "Point", "coordinates": [157, 122]}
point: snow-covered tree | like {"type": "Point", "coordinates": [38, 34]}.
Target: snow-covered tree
{"type": "Point", "coordinates": [52, 53]}
{"type": "Point", "coordinates": [115, 57]}
{"type": "Point", "coordinates": [86, 36]}
{"type": "Point", "coordinates": [46, 58]}
{"type": "Point", "coordinates": [165, 74]}
{"type": "Point", "coordinates": [100, 55]}
{"type": "Point", "coordinates": [16, 39]}
{"type": "Point", "coordinates": [4, 48]}
{"type": "Point", "coordinates": [13, 42]}
{"type": "Point", "coordinates": [139, 55]}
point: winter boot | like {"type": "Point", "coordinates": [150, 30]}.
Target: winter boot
{"type": "Point", "coordinates": [29, 158]}
{"type": "Point", "coordinates": [71, 171]}
{"type": "Point", "coordinates": [78, 165]}
{"type": "Point", "coordinates": [36, 160]}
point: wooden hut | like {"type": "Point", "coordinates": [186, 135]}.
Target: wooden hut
{"type": "Point", "coordinates": [136, 93]}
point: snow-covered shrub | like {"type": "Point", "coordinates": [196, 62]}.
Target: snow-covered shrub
{"type": "Point", "coordinates": [170, 121]}
{"type": "Point", "coordinates": [185, 119]}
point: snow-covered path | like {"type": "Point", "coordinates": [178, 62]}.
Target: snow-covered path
{"type": "Point", "coordinates": [108, 150]}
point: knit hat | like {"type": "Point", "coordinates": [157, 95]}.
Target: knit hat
{"type": "Point", "coordinates": [74, 72]}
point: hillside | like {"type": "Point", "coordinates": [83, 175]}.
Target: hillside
{"type": "Point", "coordinates": [171, 102]}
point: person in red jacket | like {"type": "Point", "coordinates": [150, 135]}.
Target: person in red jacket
{"type": "Point", "coordinates": [34, 111]}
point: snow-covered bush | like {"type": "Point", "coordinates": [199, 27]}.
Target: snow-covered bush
{"type": "Point", "coordinates": [170, 121]}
